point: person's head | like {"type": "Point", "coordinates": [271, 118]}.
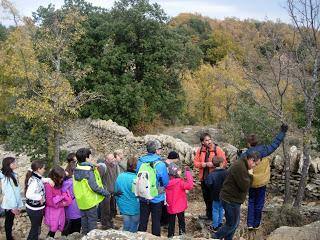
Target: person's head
{"type": "Point", "coordinates": [205, 139]}
{"type": "Point", "coordinates": [71, 157]}
{"type": "Point", "coordinates": [57, 175]}
{"type": "Point", "coordinates": [118, 155]}
{"type": "Point", "coordinates": [218, 161]}
{"type": "Point", "coordinates": [154, 146]}
{"type": "Point", "coordinates": [37, 167]}
{"type": "Point", "coordinates": [110, 158]}
{"type": "Point", "coordinates": [253, 159]}
{"type": "Point", "coordinates": [8, 165]}
{"type": "Point", "coordinates": [173, 156]}
{"type": "Point", "coordinates": [70, 168]}
{"type": "Point", "coordinates": [252, 140]}
{"type": "Point", "coordinates": [132, 163]}
{"type": "Point", "coordinates": [83, 154]}
{"type": "Point", "coordinates": [174, 170]}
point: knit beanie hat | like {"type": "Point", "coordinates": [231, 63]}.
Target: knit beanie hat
{"type": "Point", "coordinates": [173, 169]}
{"type": "Point", "coordinates": [173, 155]}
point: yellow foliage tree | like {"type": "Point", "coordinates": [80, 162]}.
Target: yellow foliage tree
{"type": "Point", "coordinates": [212, 91]}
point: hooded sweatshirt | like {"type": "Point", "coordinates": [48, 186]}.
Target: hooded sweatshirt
{"type": "Point", "coordinates": [161, 172]}
{"type": "Point", "coordinates": [176, 196]}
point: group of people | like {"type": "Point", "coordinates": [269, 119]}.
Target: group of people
{"type": "Point", "coordinates": [225, 190]}
{"type": "Point", "coordinates": [74, 199]}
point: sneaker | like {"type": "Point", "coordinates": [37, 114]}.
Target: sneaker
{"type": "Point", "coordinates": [250, 228]}
{"type": "Point", "coordinates": [213, 229]}
{"type": "Point", "coordinates": [257, 227]}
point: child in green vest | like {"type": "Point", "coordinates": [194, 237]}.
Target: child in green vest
{"type": "Point", "coordinates": [88, 190]}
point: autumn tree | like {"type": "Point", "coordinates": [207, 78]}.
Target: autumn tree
{"type": "Point", "coordinates": [306, 20]}
{"type": "Point", "coordinates": [38, 62]}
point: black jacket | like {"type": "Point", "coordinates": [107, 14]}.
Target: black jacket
{"type": "Point", "coordinates": [214, 182]}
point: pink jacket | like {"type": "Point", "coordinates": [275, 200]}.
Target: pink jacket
{"type": "Point", "coordinates": [54, 216]}
{"type": "Point", "coordinates": [176, 193]}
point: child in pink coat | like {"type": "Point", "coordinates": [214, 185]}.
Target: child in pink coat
{"type": "Point", "coordinates": [176, 197]}
{"type": "Point", "coordinates": [54, 216]}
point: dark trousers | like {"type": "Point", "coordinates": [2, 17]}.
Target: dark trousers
{"type": "Point", "coordinates": [108, 210]}
{"type": "Point", "coordinates": [88, 220]}
{"type": "Point", "coordinates": [207, 199]}
{"type": "Point", "coordinates": [255, 206]}
{"type": "Point", "coordinates": [72, 225]}
{"type": "Point", "coordinates": [232, 214]}
{"type": "Point", "coordinates": [36, 221]}
{"type": "Point", "coordinates": [172, 222]}
{"type": "Point", "coordinates": [164, 216]}
{"type": "Point", "coordinates": [155, 209]}
{"type": "Point", "coordinates": [51, 234]}
{"type": "Point", "coordinates": [8, 223]}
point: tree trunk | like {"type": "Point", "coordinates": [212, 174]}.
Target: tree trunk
{"type": "Point", "coordinates": [56, 159]}
{"type": "Point", "coordinates": [304, 174]}
{"type": "Point", "coordinates": [287, 191]}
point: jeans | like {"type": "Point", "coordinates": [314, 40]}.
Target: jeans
{"type": "Point", "coordinates": [255, 206]}
{"type": "Point", "coordinates": [8, 223]}
{"type": "Point", "coordinates": [131, 223]}
{"type": "Point", "coordinates": [207, 199]}
{"type": "Point", "coordinates": [217, 213]}
{"type": "Point", "coordinates": [172, 221]}
{"type": "Point", "coordinates": [232, 213]}
{"type": "Point", "coordinates": [88, 220]}
{"type": "Point", "coordinates": [155, 208]}
{"type": "Point", "coordinates": [36, 220]}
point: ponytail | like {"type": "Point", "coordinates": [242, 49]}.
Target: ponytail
{"type": "Point", "coordinates": [35, 165]}
{"type": "Point", "coordinates": [28, 176]}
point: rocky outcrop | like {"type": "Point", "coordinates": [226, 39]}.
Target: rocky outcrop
{"type": "Point", "coordinates": [105, 136]}
{"type": "Point", "coordinates": [307, 232]}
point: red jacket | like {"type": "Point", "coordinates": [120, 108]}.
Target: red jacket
{"type": "Point", "coordinates": [176, 193]}
{"type": "Point", "coordinates": [200, 158]}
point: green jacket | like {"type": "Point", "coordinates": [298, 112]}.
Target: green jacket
{"type": "Point", "coordinates": [237, 183]}
{"type": "Point", "coordinates": [87, 186]}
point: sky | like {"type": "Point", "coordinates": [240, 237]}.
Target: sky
{"type": "Point", "coordinates": [219, 9]}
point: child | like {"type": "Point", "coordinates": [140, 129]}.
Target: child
{"type": "Point", "coordinates": [173, 157]}
{"type": "Point", "coordinates": [11, 201]}
{"type": "Point", "coordinates": [214, 181]}
{"type": "Point", "coordinates": [54, 216]}
{"type": "Point", "coordinates": [73, 215]}
{"type": "Point", "coordinates": [88, 190]}
{"type": "Point", "coordinates": [35, 197]}
{"type": "Point", "coordinates": [177, 198]}
{"type": "Point", "coordinates": [128, 203]}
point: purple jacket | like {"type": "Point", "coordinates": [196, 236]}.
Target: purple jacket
{"type": "Point", "coordinates": [72, 211]}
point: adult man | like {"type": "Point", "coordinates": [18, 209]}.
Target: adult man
{"type": "Point", "coordinates": [234, 191]}
{"type": "Point", "coordinates": [203, 161]}
{"type": "Point", "coordinates": [153, 205]}
{"type": "Point", "coordinates": [261, 176]}
{"type": "Point", "coordinates": [108, 206]}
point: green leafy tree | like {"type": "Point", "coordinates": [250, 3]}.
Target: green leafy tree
{"type": "Point", "coordinates": [136, 61]}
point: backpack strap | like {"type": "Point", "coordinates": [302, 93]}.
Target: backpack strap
{"type": "Point", "coordinates": [215, 149]}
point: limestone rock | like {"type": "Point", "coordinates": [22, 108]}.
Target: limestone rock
{"type": "Point", "coordinates": [307, 232]}
{"type": "Point", "coordinates": [278, 163]}
{"type": "Point", "coordinates": [315, 165]}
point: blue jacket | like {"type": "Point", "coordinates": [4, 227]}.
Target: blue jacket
{"type": "Point", "coordinates": [214, 181]}
{"type": "Point", "coordinates": [11, 193]}
{"type": "Point", "coordinates": [161, 170]}
{"type": "Point", "coordinates": [266, 150]}
{"type": "Point", "coordinates": [128, 203]}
